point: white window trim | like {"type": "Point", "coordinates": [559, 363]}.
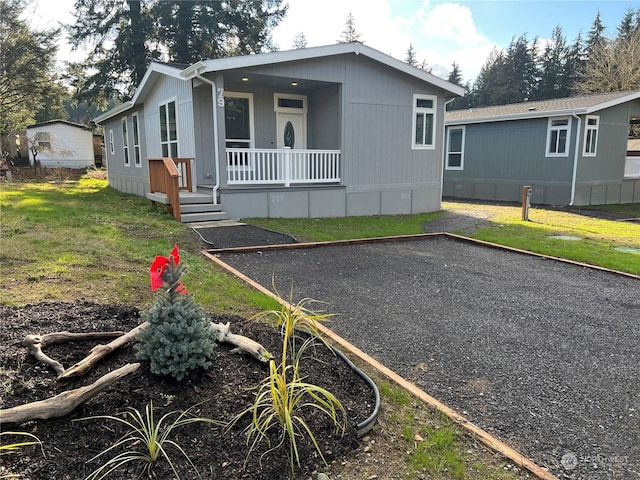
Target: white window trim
{"type": "Point", "coordinates": [126, 150]}
{"type": "Point", "coordinates": [415, 110]}
{"type": "Point", "coordinates": [447, 152]}
{"type": "Point", "coordinates": [135, 125]}
{"type": "Point", "coordinates": [177, 140]}
{"type": "Point", "coordinates": [112, 144]}
{"type": "Point", "coordinates": [550, 129]}
{"type": "Point", "coordinates": [252, 133]}
{"type": "Point", "coordinates": [595, 129]}
{"type": "Point", "coordinates": [277, 108]}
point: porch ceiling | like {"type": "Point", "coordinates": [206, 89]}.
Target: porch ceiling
{"type": "Point", "coordinates": [236, 77]}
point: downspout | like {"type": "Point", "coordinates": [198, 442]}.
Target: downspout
{"type": "Point", "coordinates": [575, 160]}
{"type": "Point", "coordinates": [444, 146]}
{"type": "Point", "coordinates": [216, 187]}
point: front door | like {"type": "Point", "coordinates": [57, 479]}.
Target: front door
{"type": "Point", "coordinates": [291, 130]}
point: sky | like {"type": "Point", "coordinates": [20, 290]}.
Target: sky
{"type": "Point", "coordinates": [441, 32]}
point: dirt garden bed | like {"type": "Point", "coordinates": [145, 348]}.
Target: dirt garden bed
{"type": "Point", "coordinates": [223, 389]}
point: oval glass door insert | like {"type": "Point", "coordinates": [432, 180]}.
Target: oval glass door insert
{"type": "Point", "coordinates": [289, 135]}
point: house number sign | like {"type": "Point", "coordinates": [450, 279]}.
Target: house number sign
{"type": "Point", "coordinates": [220, 97]}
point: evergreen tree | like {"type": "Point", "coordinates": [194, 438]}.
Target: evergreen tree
{"type": "Point", "coordinates": [629, 23]}
{"type": "Point", "coordinates": [411, 57]}
{"type": "Point", "coordinates": [553, 75]}
{"type": "Point", "coordinates": [596, 35]}
{"type": "Point", "coordinates": [119, 54]}
{"type": "Point", "coordinates": [349, 34]}
{"type": "Point", "coordinates": [179, 336]}
{"type": "Point", "coordinates": [521, 70]}
{"type": "Point", "coordinates": [455, 75]}
{"type": "Point", "coordinates": [574, 66]}
{"type": "Point", "coordinates": [300, 41]}
{"type": "Point", "coordinates": [125, 35]}
{"type": "Point", "coordinates": [27, 63]}
{"type": "Point", "coordinates": [491, 84]}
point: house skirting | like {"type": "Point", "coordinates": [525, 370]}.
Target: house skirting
{"type": "Point", "coordinates": [136, 186]}
{"type": "Point", "coordinates": [627, 191]}
{"type": "Point", "coordinates": [330, 201]}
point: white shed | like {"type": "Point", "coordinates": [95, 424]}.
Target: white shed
{"type": "Point", "coordinates": [61, 144]}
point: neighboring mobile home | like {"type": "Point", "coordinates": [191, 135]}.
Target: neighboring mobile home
{"type": "Point", "coordinates": [329, 131]}
{"type": "Point", "coordinates": [61, 144]}
{"type": "Point", "coordinates": [571, 151]}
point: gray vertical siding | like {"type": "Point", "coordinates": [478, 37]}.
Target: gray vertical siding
{"type": "Point", "coordinates": [325, 118]}
{"type": "Point", "coordinates": [355, 104]}
{"type": "Point", "coordinates": [608, 164]}
{"type": "Point", "coordinates": [129, 179]}
{"type": "Point", "coordinates": [203, 134]}
{"type": "Point", "coordinates": [376, 151]}
{"type": "Point", "coordinates": [169, 88]}
{"type": "Point", "coordinates": [501, 157]}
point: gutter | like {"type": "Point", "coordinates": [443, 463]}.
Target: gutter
{"type": "Point", "coordinates": [575, 159]}
{"type": "Point", "coordinates": [214, 92]}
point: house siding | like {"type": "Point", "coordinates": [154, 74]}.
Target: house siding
{"type": "Point", "coordinates": [608, 164]}
{"type": "Point", "coordinates": [358, 103]}
{"type": "Point", "coordinates": [167, 89]}
{"type": "Point", "coordinates": [366, 111]}
{"type": "Point", "coordinates": [71, 146]}
{"type": "Point", "coordinates": [204, 135]}
{"type": "Point", "coordinates": [127, 178]}
{"type": "Point", "coordinates": [502, 157]}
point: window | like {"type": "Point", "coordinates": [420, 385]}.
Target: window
{"type": "Point", "coordinates": [43, 139]}
{"type": "Point", "coordinates": [125, 142]}
{"type": "Point", "coordinates": [289, 103]}
{"type": "Point", "coordinates": [558, 137]}
{"type": "Point", "coordinates": [112, 147]}
{"type": "Point", "coordinates": [424, 121]}
{"type": "Point", "coordinates": [455, 148]}
{"type": "Point", "coordinates": [238, 120]}
{"type": "Point", "coordinates": [136, 141]}
{"type": "Point", "coordinates": [169, 129]}
{"type": "Point", "coordinates": [591, 136]}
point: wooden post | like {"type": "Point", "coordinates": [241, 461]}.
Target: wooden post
{"type": "Point", "coordinates": [526, 202]}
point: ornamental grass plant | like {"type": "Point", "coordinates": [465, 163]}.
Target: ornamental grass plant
{"type": "Point", "coordinates": [276, 418]}
{"type": "Point", "coordinates": [149, 440]}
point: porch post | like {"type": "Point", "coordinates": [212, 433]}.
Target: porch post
{"type": "Point", "coordinates": [287, 167]}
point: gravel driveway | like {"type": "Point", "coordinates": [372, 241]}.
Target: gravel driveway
{"type": "Point", "coordinates": [545, 355]}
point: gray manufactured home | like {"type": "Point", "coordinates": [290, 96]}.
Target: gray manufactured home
{"type": "Point", "coordinates": [571, 151]}
{"type": "Point", "coordinates": [331, 131]}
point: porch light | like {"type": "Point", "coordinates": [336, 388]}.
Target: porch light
{"type": "Point", "coordinates": [294, 84]}
{"type": "Point", "coordinates": [245, 79]}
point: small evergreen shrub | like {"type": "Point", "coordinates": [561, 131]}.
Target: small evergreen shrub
{"type": "Point", "coordinates": [179, 337]}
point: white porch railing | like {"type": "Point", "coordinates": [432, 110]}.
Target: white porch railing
{"type": "Point", "coordinates": [257, 166]}
{"type": "Point", "coordinates": [632, 167]}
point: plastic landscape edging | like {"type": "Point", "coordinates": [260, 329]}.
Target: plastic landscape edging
{"type": "Point", "coordinates": [367, 425]}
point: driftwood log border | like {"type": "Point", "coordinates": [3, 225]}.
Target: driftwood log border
{"type": "Point", "coordinates": [66, 402]}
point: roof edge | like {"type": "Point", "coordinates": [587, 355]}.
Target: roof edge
{"type": "Point", "coordinates": [616, 101]}
{"type": "Point", "coordinates": [519, 116]}
{"type": "Point", "coordinates": [113, 112]}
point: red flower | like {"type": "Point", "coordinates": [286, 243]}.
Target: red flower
{"type": "Point", "coordinates": [157, 271]}
{"type": "Point", "coordinates": [158, 267]}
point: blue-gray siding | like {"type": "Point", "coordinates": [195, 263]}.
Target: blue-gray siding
{"type": "Point", "coordinates": [502, 157]}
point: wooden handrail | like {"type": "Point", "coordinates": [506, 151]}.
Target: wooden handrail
{"type": "Point", "coordinates": [164, 178]}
